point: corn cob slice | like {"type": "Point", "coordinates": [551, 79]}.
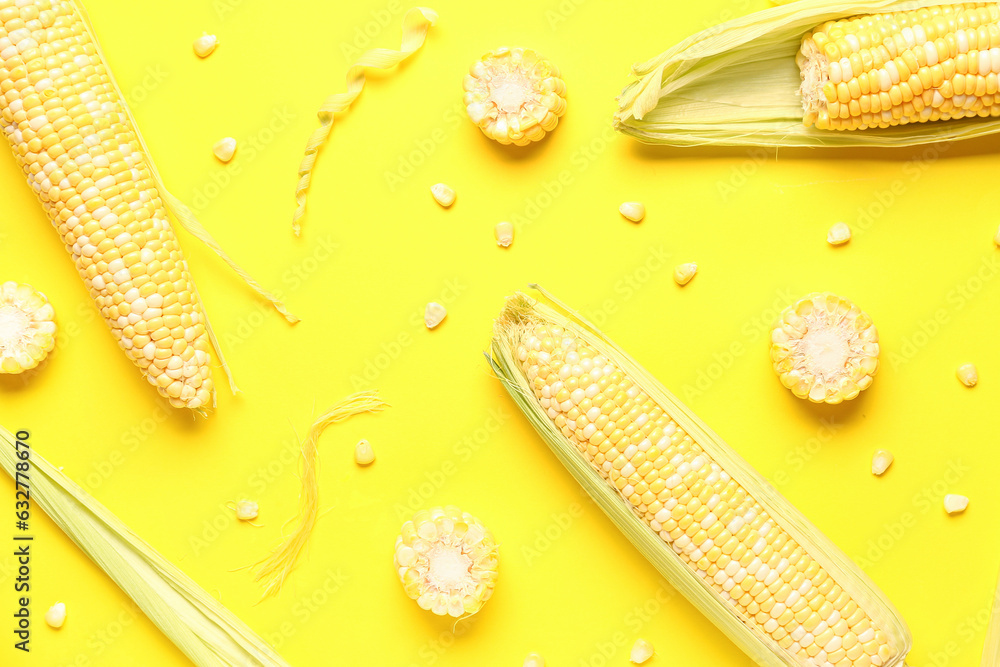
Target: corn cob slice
{"type": "Point", "coordinates": [790, 75]}
{"type": "Point", "coordinates": [706, 520]}
{"type": "Point", "coordinates": [447, 561]}
{"type": "Point", "coordinates": [515, 96]}
{"type": "Point", "coordinates": [825, 348]}
{"type": "Point", "coordinates": [72, 134]}
{"type": "Point", "coordinates": [27, 328]}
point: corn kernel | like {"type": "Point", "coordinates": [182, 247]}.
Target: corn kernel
{"type": "Point", "coordinates": [642, 651]}
{"type": "Point", "coordinates": [434, 314]}
{"type": "Point", "coordinates": [955, 504]}
{"type": "Point", "coordinates": [56, 615]}
{"type": "Point", "coordinates": [205, 45]}
{"type": "Point", "coordinates": [968, 375]}
{"type": "Point", "coordinates": [504, 234]}
{"type": "Point", "coordinates": [633, 210]}
{"type": "Point", "coordinates": [247, 510]}
{"type": "Point", "coordinates": [683, 273]}
{"type": "Point", "coordinates": [839, 234]}
{"type": "Point", "coordinates": [881, 461]}
{"type": "Point", "coordinates": [363, 453]}
{"type": "Point", "coordinates": [534, 660]}
{"type": "Point", "coordinates": [224, 149]}
{"type": "Point", "coordinates": [443, 194]}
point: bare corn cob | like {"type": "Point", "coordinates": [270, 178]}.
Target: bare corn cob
{"type": "Point", "coordinates": [708, 522]}
{"type": "Point", "coordinates": [72, 136]}
{"type": "Point", "coordinates": [881, 70]}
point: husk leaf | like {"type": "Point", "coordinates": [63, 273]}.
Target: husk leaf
{"type": "Point", "coordinates": [205, 631]}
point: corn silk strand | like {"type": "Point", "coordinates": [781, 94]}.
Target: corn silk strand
{"type": "Point", "coordinates": [205, 631]}
{"type": "Point", "coordinates": [274, 569]}
{"type": "Point", "coordinates": [416, 23]}
{"type": "Point", "coordinates": [183, 214]}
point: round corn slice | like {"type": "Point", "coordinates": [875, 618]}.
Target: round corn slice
{"type": "Point", "coordinates": [824, 348]}
{"type": "Point", "coordinates": [514, 95]}
{"type": "Point", "coordinates": [447, 561]}
{"type": "Point", "coordinates": [27, 328]}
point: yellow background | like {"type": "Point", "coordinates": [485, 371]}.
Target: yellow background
{"type": "Point", "coordinates": [570, 587]}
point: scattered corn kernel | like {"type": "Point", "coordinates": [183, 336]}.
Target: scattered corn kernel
{"type": "Point", "coordinates": [534, 660]}
{"type": "Point", "coordinates": [225, 149]}
{"type": "Point", "coordinates": [683, 273]}
{"type": "Point", "coordinates": [968, 375]}
{"type": "Point", "coordinates": [247, 510]}
{"type": "Point", "coordinates": [954, 503]}
{"type": "Point", "coordinates": [504, 233]}
{"type": "Point", "coordinates": [881, 461]}
{"type": "Point", "coordinates": [633, 210]}
{"type": "Point", "coordinates": [205, 45]}
{"type": "Point", "coordinates": [443, 194]}
{"type": "Point", "coordinates": [839, 234]}
{"type": "Point", "coordinates": [641, 651]}
{"type": "Point", "coordinates": [515, 96]}
{"type": "Point", "coordinates": [434, 314]}
{"type": "Point", "coordinates": [447, 561]}
{"type": "Point", "coordinates": [363, 453]}
{"type": "Point", "coordinates": [56, 615]}
{"type": "Point", "coordinates": [825, 348]}
{"type": "Point", "coordinates": [27, 328]}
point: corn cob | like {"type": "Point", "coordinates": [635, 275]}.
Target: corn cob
{"type": "Point", "coordinates": [793, 74]}
{"type": "Point", "coordinates": [72, 134]}
{"type": "Point", "coordinates": [709, 523]}
{"type": "Point", "coordinates": [446, 560]}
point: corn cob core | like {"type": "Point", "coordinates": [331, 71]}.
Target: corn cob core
{"type": "Point", "coordinates": [447, 561]}
{"type": "Point", "coordinates": [709, 520]}
{"type": "Point", "coordinates": [70, 134]}
{"type": "Point", "coordinates": [27, 328]}
{"type": "Point", "coordinates": [515, 96]}
{"type": "Point", "coordinates": [824, 348]}
{"type": "Point", "coordinates": [880, 70]}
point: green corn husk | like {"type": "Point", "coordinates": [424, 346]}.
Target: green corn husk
{"type": "Point", "coordinates": [737, 84]}
{"type": "Point", "coordinates": [206, 632]}
{"type": "Point", "coordinates": [991, 649]}
{"type": "Point", "coordinates": [762, 649]}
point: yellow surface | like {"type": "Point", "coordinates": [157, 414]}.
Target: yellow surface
{"type": "Point", "coordinates": [923, 265]}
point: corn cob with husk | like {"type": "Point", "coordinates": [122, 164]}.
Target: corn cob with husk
{"type": "Point", "coordinates": [825, 73]}
{"type": "Point", "coordinates": [702, 516]}
{"type": "Point", "coordinates": [71, 132]}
